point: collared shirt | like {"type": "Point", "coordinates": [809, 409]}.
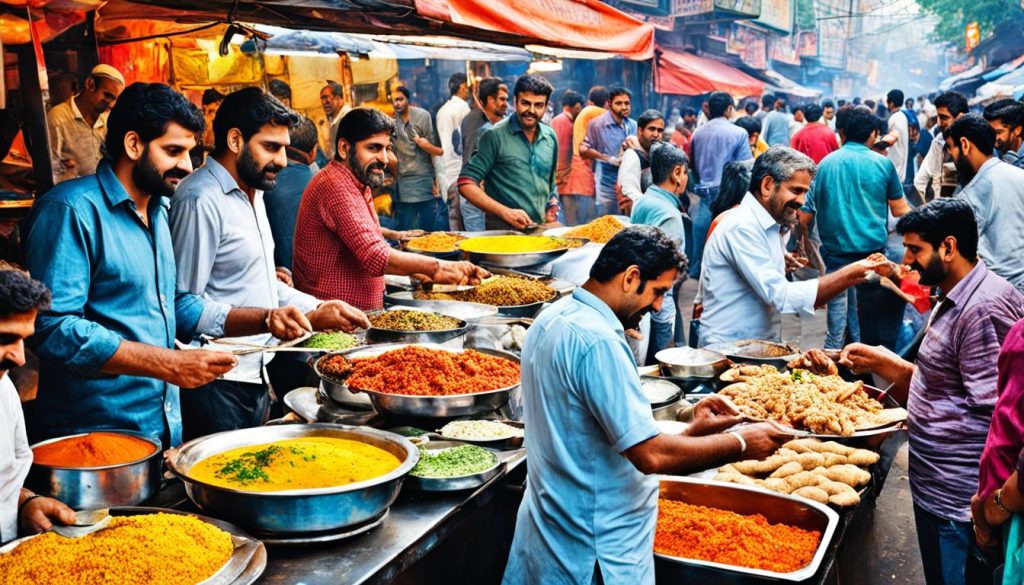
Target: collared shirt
{"type": "Point", "coordinates": [225, 252]}
{"type": "Point", "coordinates": [585, 503]}
{"type": "Point", "coordinates": [71, 138]}
{"type": "Point", "coordinates": [449, 132]}
{"type": "Point", "coordinates": [606, 136]}
{"type": "Point", "coordinates": [15, 458]}
{"type": "Point", "coordinates": [1005, 440]}
{"type": "Point", "coordinates": [340, 252]}
{"type": "Point", "coordinates": [953, 391]}
{"type": "Point", "coordinates": [816, 141]}
{"type": "Point", "coordinates": [113, 279]}
{"type": "Point", "coordinates": [775, 128]}
{"type": "Point", "coordinates": [851, 195]}
{"type": "Point", "coordinates": [716, 144]}
{"type": "Point", "coordinates": [659, 208]}
{"type": "Point", "coordinates": [415, 168]}
{"type": "Point", "coordinates": [996, 194]}
{"type": "Point", "coordinates": [898, 151]}
{"type": "Point", "coordinates": [282, 204]}
{"type": "Point", "coordinates": [1015, 158]}
{"type": "Point", "coordinates": [744, 278]}
{"type": "Point", "coordinates": [515, 172]}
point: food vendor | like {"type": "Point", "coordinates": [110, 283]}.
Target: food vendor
{"type": "Point", "coordinates": [589, 511]}
{"type": "Point", "coordinates": [340, 252]}
{"type": "Point", "coordinates": [744, 263]}
{"type": "Point", "coordinates": [102, 245]}
{"type": "Point", "coordinates": [20, 299]}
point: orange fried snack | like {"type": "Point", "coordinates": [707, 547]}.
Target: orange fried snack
{"type": "Point", "coordinates": [718, 536]}
{"type": "Point", "coordinates": [422, 371]}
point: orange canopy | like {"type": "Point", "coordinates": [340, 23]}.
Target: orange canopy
{"type": "Point", "coordinates": [689, 74]}
{"type": "Point", "coordinates": [581, 24]}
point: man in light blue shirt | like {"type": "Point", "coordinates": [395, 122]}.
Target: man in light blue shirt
{"type": "Point", "coordinates": [589, 510]}
{"type": "Point", "coordinates": [744, 276]}
{"type": "Point", "coordinates": [659, 207]}
{"type": "Point", "coordinates": [605, 142]}
{"type": "Point", "coordinates": [775, 125]}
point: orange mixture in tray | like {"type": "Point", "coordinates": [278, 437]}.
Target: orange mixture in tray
{"type": "Point", "coordinates": [718, 536]}
{"type": "Point", "coordinates": [93, 450]}
{"type": "Point", "coordinates": [422, 371]}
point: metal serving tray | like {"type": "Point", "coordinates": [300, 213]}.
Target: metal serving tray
{"type": "Point", "coordinates": [746, 500]}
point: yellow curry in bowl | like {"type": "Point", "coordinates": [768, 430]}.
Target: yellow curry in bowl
{"type": "Point", "coordinates": [294, 464]}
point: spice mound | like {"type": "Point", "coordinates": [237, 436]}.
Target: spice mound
{"type": "Point", "coordinates": [600, 230]}
{"type": "Point", "coordinates": [453, 462]}
{"type": "Point", "coordinates": [330, 340]}
{"type": "Point", "coordinates": [156, 549]}
{"type": "Point", "coordinates": [97, 449]}
{"type": "Point", "coordinates": [719, 536]}
{"type": "Point", "coordinates": [435, 242]}
{"type": "Point", "coordinates": [293, 464]}
{"type": "Point", "coordinates": [500, 291]}
{"type": "Point", "coordinates": [421, 371]}
{"type": "Point", "coordinates": [512, 244]}
{"type": "Point", "coordinates": [479, 430]}
{"type": "Point", "coordinates": [402, 320]}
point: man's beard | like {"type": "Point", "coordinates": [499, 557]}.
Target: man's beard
{"type": "Point", "coordinates": [965, 172]}
{"type": "Point", "coordinates": [150, 180]}
{"type": "Point", "coordinates": [366, 175]}
{"type": "Point", "coordinates": [250, 171]}
{"type": "Point", "coordinates": [933, 274]}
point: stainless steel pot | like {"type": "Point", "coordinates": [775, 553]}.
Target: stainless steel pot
{"type": "Point", "coordinates": [338, 391]}
{"type": "Point", "coordinates": [125, 484]}
{"type": "Point", "coordinates": [687, 362]}
{"type": "Point", "coordinates": [301, 510]}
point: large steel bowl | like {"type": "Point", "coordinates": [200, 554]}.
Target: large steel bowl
{"type": "Point", "coordinates": [454, 337]}
{"type": "Point", "coordinates": [337, 390]}
{"type": "Point", "coordinates": [687, 362]}
{"type": "Point", "coordinates": [757, 351]}
{"type": "Point", "coordinates": [300, 510]}
{"type": "Point", "coordinates": [458, 309]}
{"type": "Point", "coordinates": [124, 484]}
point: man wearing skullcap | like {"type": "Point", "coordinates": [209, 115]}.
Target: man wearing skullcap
{"type": "Point", "coordinates": [78, 126]}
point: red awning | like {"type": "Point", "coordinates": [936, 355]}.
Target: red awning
{"type": "Point", "coordinates": [689, 74]}
{"type": "Point", "coordinates": [579, 24]}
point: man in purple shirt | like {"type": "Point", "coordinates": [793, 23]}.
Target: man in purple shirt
{"type": "Point", "coordinates": [950, 389]}
{"type": "Point", "coordinates": [605, 143]}
{"type": "Point", "coordinates": [714, 145]}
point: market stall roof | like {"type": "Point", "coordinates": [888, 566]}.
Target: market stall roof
{"type": "Point", "coordinates": [282, 40]}
{"type": "Point", "coordinates": [786, 85]}
{"type": "Point", "coordinates": [688, 74]}
{"type": "Point", "coordinates": [962, 77]}
{"type": "Point", "coordinates": [1010, 85]}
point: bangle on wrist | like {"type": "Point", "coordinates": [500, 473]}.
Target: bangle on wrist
{"type": "Point", "coordinates": [743, 442]}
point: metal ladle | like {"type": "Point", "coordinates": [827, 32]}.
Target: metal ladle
{"type": "Point", "coordinates": [86, 522]}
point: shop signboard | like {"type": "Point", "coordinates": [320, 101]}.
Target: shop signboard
{"type": "Point", "coordinates": [749, 44]}
{"type": "Point", "coordinates": [972, 36]}
{"type": "Point", "coordinates": [776, 15]}
{"type": "Point", "coordinates": [699, 7]}
{"type": "Point", "coordinates": [807, 44]}
{"type": "Point", "coordinates": [832, 31]}
{"type": "Point", "coordinates": [784, 49]}
{"type": "Point", "coordinates": [658, 7]}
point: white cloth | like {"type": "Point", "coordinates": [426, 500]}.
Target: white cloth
{"type": "Point", "coordinates": [996, 194]}
{"type": "Point", "coordinates": [72, 139]}
{"type": "Point", "coordinates": [930, 170]}
{"type": "Point", "coordinates": [898, 151]}
{"type": "Point", "coordinates": [743, 276]}
{"type": "Point", "coordinates": [795, 127]}
{"type": "Point", "coordinates": [15, 458]}
{"type": "Point", "coordinates": [449, 124]}
{"type": "Point", "coordinates": [629, 175]}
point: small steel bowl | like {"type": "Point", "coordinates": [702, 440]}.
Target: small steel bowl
{"type": "Point", "coordinates": [450, 484]}
{"type": "Point", "coordinates": [124, 484]}
{"type": "Point", "coordinates": [496, 444]}
{"type": "Point", "coordinates": [687, 362]}
{"type": "Point", "coordinates": [454, 338]}
{"type": "Point", "coordinates": [336, 390]}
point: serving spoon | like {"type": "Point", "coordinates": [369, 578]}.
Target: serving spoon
{"type": "Point", "coordinates": [86, 522]}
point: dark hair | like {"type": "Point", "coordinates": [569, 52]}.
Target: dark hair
{"type": "Point", "coordinates": [1009, 112]}
{"type": "Point", "coordinates": [828, 104]}
{"type": "Point", "coordinates": [280, 89]}
{"type": "Point", "coordinates": [813, 112]}
{"type": "Point", "coordinates": [718, 104]}
{"type": "Point", "coordinates": [688, 111]}
{"type": "Point", "coordinates": [647, 117]}
{"type": "Point", "coordinates": [943, 217]}
{"type": "Point", "coordinates": [780, 100]}
{"type": "Point", "coordinates": [533, 84]}
{"type": "Point", "coordinates": [616, 91]}
{"type": "Point", "coordinates": [955, 102]}
{"type": "Point", "coordinates": [488, 87]}
{"type": "Point", "coordinates": [598, 95]}
{"type": "Point", "coordinates": [780, 163]}
{"type": "Point", "coordinates": [19, 293]}
{"type": "Point", "coordinates": [856, 101]}
{"type": "Point", "coordinates": [869, 104]}
{"type": "Point", "coordinates": [645, 247]}
{"type": "Point", "coordinates": [894, 96]}
{"type": "Point", "coordinates": [664, 158]}
{"type": "Point", "coordinates": [336, 89]}
{"type": "Point", "coordinates": [211, 96]}
{"type": "Point", "coordinates": [402, 90]}
{"type": "Point", "coordinates": [571, 99]}
{"type": "Point", "coordinates": [303, 135]}
{"type": "Point", "coordinates": [248, 110]}
{"type": "Point", "coordinates": [976, 130]}
{"type": "Point", "coordinates": [735, 184]}
{"type": "Point", "coordinates": [910, 103]}
{"type": "Point", "coordinates": [768, 99]}
{"type": "Point", "coordinates": [858, 124]}
{"type": "Point", "coordinates": [361, 123]}
{"type": "Point", "coordinates": [841, 103]}
{"type": "Point", "coordinates": [751, 125]}
{"type": "Point", "coordinates": [456, 80]}
{"type": "Point", "coordinates": [750, 107]}
{"type": "Point", "coordinates": [799, 108]}
{"type": "Point", "coordinates": [841, 115]}
{"type": "Point", "coordinates": [147, 109]}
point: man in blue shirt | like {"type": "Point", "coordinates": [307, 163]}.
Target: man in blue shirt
{"type": "Point", "coordinates": [852, 195]}
{"type": "Point", "coordinates": [659, 207]}
{"type": "Point", "coordinates": [102, 245]}
{"type": "Point", "coordinates": [775, 125]}
{"type": "Point", "coordinates": [589, 510]}
{"type": "Point", "coordinates": [714, 145]}
{"type": "Point", "coordinates": [1007, 119]}
{"type": "Point", "coordinates": [605, 143]}
{"type": "Point", "coordinates": [283, 200]}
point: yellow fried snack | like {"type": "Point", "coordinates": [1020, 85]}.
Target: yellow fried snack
{"type": "Point", "coordinates": [844, 500]}
{"type": "Point", "coordinates": [801, 445]}
{"type": "Point", "coordinates": [776, 484]}
{"type": "Point", "coordinates": [833, 459]}
{"type": "Point", "coordinates": [788, 469]}
{"type": "Point", "coordinates": [802, 479]}
{"type": "Point", "coordinates": [835, 487]}
{"type": "Point", "coordinates": [848, 474]}
{"type": "Point", "coordinates": [728, 468]}
{"type": "Point", "coordinates": [834, 447]}
{"type": "Point", "coordinates": [809, 461]}
{"type": "Point", "coordinates": [862, 457]}
{"type": "Point", "coordinates": [812, 493]}
{"type": "Point", "coordinates": [735, 478]}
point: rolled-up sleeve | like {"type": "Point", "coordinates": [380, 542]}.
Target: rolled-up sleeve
{"type": "Point", "coordinates": [57, 254]}
{"type": "Point", "coordinates": [198, 316]}
{"type": "Point", "coordinates": [615, 398]}
{"type": "Point", "coordinates": [749, 256]}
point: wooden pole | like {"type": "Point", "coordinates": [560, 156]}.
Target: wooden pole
{"type": "Point", "coordinates": [34, 88]}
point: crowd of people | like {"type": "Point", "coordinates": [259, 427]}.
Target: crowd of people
{"type": "Point", "coordinates": [230, 220]}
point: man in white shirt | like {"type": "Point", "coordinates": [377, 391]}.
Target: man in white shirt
{"type": "Point", "coordinates": [20, 299]}
{"type": "Point", "coordinates": [949, 107]}
{"type": "Point", "coordinates": [78, 126]}
{"type": "Point", "coordinates": [635, 168]}
{"type": "Point", "coordinates": [332, 99]}
{"type": "Point", "coordinates": [448, 125]}
{"type": "Point", "coordinates": [898, 137]}
{"type": "Point", "coordinates": [744, 264]}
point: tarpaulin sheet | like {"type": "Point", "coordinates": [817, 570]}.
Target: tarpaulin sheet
{"type": "Point", "coordinates": [583, 24]}
{"type": "Point", "coordinates": [689, 74]}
